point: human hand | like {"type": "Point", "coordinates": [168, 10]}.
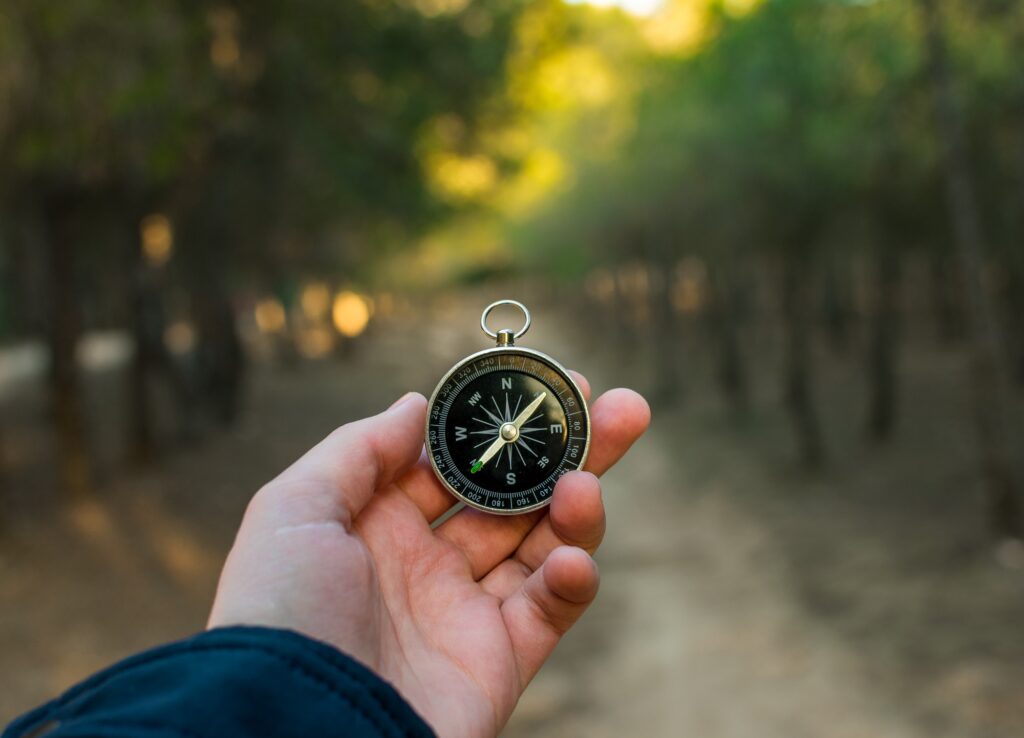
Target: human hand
{"type": "Point", "coordinates": [458, 618]}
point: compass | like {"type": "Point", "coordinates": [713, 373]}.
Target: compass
{"type": "Point", "coordinates": [504, 424]}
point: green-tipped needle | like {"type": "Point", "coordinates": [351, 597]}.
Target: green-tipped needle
{"type": "Point", "coordinates": [477, 466]}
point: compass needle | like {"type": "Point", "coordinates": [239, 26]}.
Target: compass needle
{"type": "Point", "coordinates": [494, 448]}
{"type": "Point", "coordinates": [521, 418]}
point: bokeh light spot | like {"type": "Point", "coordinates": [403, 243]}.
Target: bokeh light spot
{"type": "Point", "coordinates": [351, 313]}
{"type": "Point", "coordinates": [269, 315]}
{"type": "Point", "coordinates": [157, 239]}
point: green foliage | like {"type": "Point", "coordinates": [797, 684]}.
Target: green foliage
{"type": "Point", "coordinates": [284, 132]}
{"type": "Point", "coordinates": [787, 122]}
{"type": "Point", "coordinates": [294, 138]}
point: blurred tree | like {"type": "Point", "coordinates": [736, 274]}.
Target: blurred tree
{"type": "Point", "coordinates": [988, 391]}
{"type": "Point", "coordinates": [273, 142]}
{"type": "Point", "coordinates": [97, 128]}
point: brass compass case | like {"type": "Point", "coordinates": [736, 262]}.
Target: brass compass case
{"type": "Point", "coordinates": [504, 424]}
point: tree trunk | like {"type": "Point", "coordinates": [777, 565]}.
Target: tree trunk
{"type": "Point", "coordinates": [1014, 298]}
{"type": "Point", "coordinates": [3, 464]}
{"type": "Point", "coordinates": [945, 298]}
{"type": "Point", "coordinates": [987, 382]}
{"type": "Point", "coordinates": [798, 372]}
{"type": "Point", "coordinates": [220, 355]}
{"type": "Point", "coordinates": [663, 336]}
{"type": "Point", "coordinates": [882, 347]}
{"type": "Point", "coordinates": [838, 303]}
{"type": "Point", "coordinates": [726, 318]}
{"type": "Point", "coordinates": [142, 444]}
{"type": "Point", "coordinates": [6, 288]}
{"type": "Point", "coordinates": [624, 311]}
{"type": "Point", "coordinates": [1014, 301]}
{"type": "Point", "coordinates": [64, 333]}
{"type": "Point", "coordinates": [1015, 252]}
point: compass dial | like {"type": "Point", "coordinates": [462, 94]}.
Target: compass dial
{"type": "Point", "coordinates": [503, 426]}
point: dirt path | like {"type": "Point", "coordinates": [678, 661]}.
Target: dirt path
{"type": "Point", "coordinates": [694, 634]}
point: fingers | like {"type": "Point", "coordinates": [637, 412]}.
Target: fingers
{"type": "Point", "coordinates": [575, 518]}
{"type": "Point", "coordinates": [421, 485]}
{"type": "Point", "coordinates": [547, 604]}
{"type": "Point", "coordinates": [618, 418]}
{"type": "Point", "coordinates": [582, 383]}
{"type": "Point", "coordinates": [337, 477]}
{"type": "Point", "coordinates": [486, 539]}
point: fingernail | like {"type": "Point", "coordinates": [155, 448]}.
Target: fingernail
{"type": "Point", "coordinates": [401, 401]}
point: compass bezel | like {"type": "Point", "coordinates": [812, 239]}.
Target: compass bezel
{"type": "Point", "coordinates": [555, 473]}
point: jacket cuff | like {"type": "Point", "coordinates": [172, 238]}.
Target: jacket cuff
{"type": "Point", "coordinates": [237, 682]}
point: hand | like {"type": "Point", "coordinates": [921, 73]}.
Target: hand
{"type": "Point", "coordinates": [458, 618]}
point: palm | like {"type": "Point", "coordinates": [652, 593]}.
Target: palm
{"type": "Point", "coordinates": [458, 617]}
{"type": "Point", "coordinates": [446, 645]}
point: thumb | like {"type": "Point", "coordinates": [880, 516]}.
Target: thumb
{"type": "Point", "coordinates": [547, 604]}
{"type": "Point", "coordinates": [337, 477]}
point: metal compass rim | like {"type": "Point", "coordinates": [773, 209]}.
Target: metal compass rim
{"type": "Point", "coordinates": [543, 358]}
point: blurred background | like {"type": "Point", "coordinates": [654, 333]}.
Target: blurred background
{"type": "Point", "coordinates": [796, 225]}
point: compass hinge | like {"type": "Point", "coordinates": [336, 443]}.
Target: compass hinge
{"type": "Point", "coordinates": [506, 338]}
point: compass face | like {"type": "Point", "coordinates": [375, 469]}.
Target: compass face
{"type": "Point", "coordinates": [503, 426]}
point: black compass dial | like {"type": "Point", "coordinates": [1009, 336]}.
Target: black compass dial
{"type": "Point", "coordinates": [503, 427]}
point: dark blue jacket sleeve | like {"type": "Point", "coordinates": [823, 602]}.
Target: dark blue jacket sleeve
{"type": "Point", "coordinates": [228, 683]}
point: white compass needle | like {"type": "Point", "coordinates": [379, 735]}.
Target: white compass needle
{"type": "Point", "coordinates": [500, 441]}
{"type": "Point", "coordinates": [528, 410]}
{"type": "Point", "coordinates": [489, 454]}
